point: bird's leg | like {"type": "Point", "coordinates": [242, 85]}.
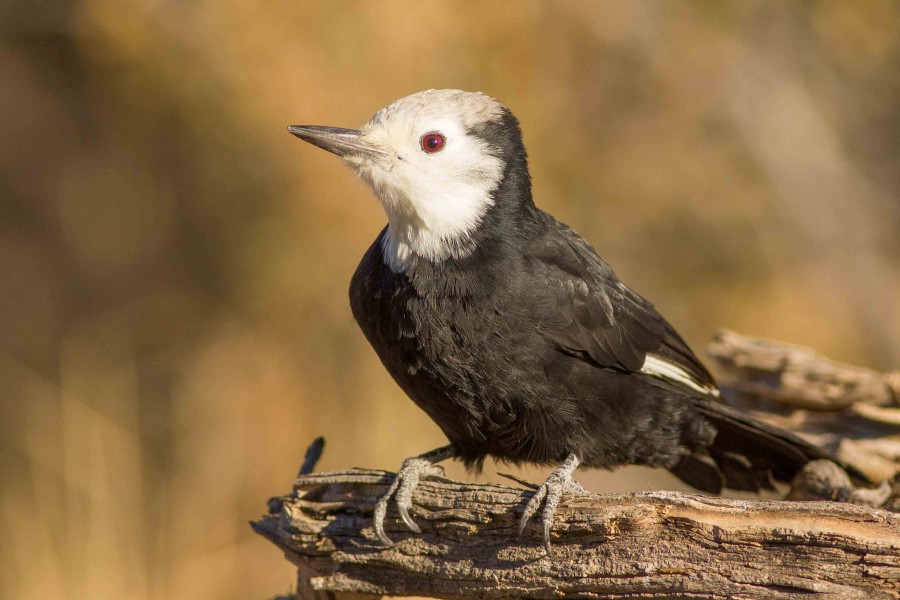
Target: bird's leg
{"type": "Point", "coordinates": [558, 483]}
{"type": "Point", "coordinates": [404, 485]}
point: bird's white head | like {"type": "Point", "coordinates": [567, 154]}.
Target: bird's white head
{"type": "Point", "coordinates": [431, 163]}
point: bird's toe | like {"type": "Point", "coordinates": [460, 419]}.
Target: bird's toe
{"type": "Point", "coordinates": [381, 512]}
{"type": "Point", "coordinates": [532, 507]}
{"type": "Point", "coordinates": [558, 483]}
{"type": "Point", "coordinates": [401, 489]}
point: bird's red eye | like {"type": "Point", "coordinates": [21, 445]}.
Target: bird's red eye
{"type": "Point", "coordinates": [433, 142]}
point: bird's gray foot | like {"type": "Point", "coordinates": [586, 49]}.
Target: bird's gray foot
{"type": "Point", "coordinates": [404, 485]}
{"type": "Point", "coordinates": [560, 482]}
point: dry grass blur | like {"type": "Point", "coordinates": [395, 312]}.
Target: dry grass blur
{"type": "Point", "coordinates": [174, 323]}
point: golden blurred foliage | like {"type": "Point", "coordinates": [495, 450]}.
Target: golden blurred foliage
{"type": "Point", "coordinates": [174, 322]}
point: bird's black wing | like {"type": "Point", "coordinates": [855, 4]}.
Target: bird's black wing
{"type": "Point", "coordinates": [584, 309]}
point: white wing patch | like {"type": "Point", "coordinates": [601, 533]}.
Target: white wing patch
{"type": "Point", "coordinates": [659, 367]}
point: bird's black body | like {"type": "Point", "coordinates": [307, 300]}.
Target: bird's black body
{"type": "Point", "coordinates": [529, 349]}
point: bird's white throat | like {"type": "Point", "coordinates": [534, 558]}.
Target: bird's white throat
{"type": "Point", "coordinates": [434, 220]}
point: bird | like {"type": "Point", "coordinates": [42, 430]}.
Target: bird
{"type": "Point", "coordinates": [510, 331]}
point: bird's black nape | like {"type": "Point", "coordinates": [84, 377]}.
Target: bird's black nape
{"type": "Point", "coordinates": [504, 137]}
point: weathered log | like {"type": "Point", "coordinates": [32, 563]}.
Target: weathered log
{"type": "Point", "coordinates": [635, 545]}
{"type": "Point", "coordinates": [801, 377]}
{"type": "Point", "coordinates": [852, 411]}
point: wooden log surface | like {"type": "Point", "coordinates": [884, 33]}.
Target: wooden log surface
{"type": "Point", "coordinates": [801, 377]}
{"type": "Point", "coordinates": [633, 545]}
{"type": "Point", "coordinates": [854, 412]}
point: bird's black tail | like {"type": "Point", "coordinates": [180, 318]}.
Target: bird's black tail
{"type": "Point", "coordinates": [747, 454]}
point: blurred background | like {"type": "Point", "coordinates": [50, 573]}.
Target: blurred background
{"type": "Point", "coordinates": [174, 321]}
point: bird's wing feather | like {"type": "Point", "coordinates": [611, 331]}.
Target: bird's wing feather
{"type": "Point", "coordinates": [586, 311]}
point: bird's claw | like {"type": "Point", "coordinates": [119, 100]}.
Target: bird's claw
{"type": "Point", "coordinates": [402, 489]}
{"type": "Point", "coordinates": [558, 483]}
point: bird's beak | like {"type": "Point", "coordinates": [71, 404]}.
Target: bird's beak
{"type": "Point", "coordinates": [343, 142]}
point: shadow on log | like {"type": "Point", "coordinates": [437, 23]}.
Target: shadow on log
{"type": "Point", "coordinates": [636, 545]}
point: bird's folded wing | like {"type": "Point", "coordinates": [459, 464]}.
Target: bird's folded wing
{"type": "Point", "coordinates": [583, 308]}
